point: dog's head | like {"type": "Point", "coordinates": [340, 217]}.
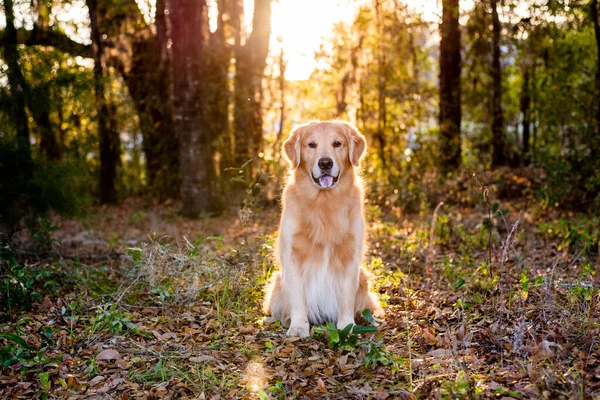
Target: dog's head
{"type": "Point", "coordinates": [324, 150]}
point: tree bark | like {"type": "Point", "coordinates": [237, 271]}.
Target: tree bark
{"type": "Point", "coordinates": [450, 70]}
{"type": "Point", "coordinates": [189, 33]}
{"type": "Point", "coordinates": [218, 93]}
{"type": "Point", "coordinates": [109, 137]}
{"type": "Point", "coordinates": [144, 62]}
{"type": "Point", "coordinates": [381, 88]}
{"type": "Point", "coordinates": [525, 111]}
{"type": "Point", "coordinates": [16, 80]}
{"type": "Point", "coordinates": [250, 65]}
{"type": "Point", "coordinates": [498, 140]}
{"type": "Point", "coordinates": [594, 15]}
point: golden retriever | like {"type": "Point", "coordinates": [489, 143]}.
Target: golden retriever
{"type": "Point", "coordinates": [322, 232]}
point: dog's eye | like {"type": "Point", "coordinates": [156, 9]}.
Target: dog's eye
{"type": "Point", "coordinates": [312, 145]}
{"type": "Point", "coordinates": [337, 143]}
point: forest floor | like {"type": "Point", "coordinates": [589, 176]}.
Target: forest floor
{"type": "Point", "coordinates": [493, 301]}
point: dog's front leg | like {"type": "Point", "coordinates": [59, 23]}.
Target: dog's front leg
{"type": "Point", "coordinates": [299, 325]}
{"type": "Point", "coordinates": [347, 298]}
{"type": "Point", "coordinates": [292, 283]}
{"type": "Point", "coordinates": [349, 287]}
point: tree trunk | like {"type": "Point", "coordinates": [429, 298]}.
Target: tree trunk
{"type": "Point", "coordinates": [218, 61]}
{"type": "Point", "coordinates": [498, 146]}
{"type": "Point", "coordinates": [38, 102]}
{"type": "Point", "coordinates": [282, 66]}
{"type": "Point", "coordinates": [189, 33]}
{"type": "Point", "coordinates": [450, 70]}
{"type": "Point", "coordinates": [142, 58]}
{"type": "Point", "coordinates": [525, 111]}
{"type": "Point", "coordinates": [16, 80]}
{"type": "Point", "coordinates": [594, 15]}
{"type": "Point", "coordinates": [250, 65]}
{"type": "Point", "coordinates": [109, 138]}
{"type": "Point", "coordinates": [39, 97]}
{"type": "Point", "coordinates": [381, 88]}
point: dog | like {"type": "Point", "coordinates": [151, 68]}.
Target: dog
{"type": "Point", "coordinates": [321, 238]}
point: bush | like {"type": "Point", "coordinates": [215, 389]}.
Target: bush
{"type": "Point", "coordinates": [31, 187]}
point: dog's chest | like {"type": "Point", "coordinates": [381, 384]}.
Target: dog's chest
{"type": "Point", "coordinates": [326, 228]}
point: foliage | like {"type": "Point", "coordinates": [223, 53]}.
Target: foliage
{"type": "Point", "coordinates": [31, 188]}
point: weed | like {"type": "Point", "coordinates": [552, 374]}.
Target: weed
{"type": "Point", "coordinates": [110, 319]}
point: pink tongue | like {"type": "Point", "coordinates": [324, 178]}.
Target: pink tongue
{"type": "Point", "coordinates": [326, 181]}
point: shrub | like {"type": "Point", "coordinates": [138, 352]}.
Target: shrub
{"type": "Point", "coordinates": [30, 187]}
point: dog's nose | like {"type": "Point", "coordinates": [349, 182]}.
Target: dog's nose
{"type": "Point", "coordinates": [325, 163]}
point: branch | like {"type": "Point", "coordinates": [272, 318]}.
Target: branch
{"type": "Point", "coordinates": [48, 37]}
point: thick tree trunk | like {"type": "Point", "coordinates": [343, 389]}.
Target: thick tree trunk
{"type": "Point", "coordinates": [16, 80]}
{"type": "Point", "coordinates": [149, 84]}
{"type": "Point", "coordinates": [109, 137]}
{"type": "Point", "coordinates": [498, 141]}
{"type": "Point", "coordinates": [250, 65]}
{"type": "Point", "coordinates": [594, 15]}
{"type": "Point", "coordinates": [142, 58]}
{"type": "Point", "coordinates": [189, 33]}
{"type": "Point", "coordinates": [450, 70]}
{"type": "Point", "coordinates": [525, 111]}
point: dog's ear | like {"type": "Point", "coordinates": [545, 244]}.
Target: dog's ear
{"type": "Point", "coordinates": [291, 147]}
{"type": "Point", "coordinates": [356, 144]}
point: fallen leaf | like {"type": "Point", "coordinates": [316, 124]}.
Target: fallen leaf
{"type": "Point", "coordinates": [96, 380]}
{"type": "Point", "coordinates": [122, 364]}
{"type": "Point", "coordinates": [46, 305]}
{"type": "Point", "coordinates": [321, 386]}
{"type": "Point", "coordinates": [247, 329]}
{"type": "Point", "coordinates": [440, 353]}
{"type": "Point", "coordinates": [108, 354]}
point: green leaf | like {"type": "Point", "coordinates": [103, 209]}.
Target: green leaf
{"type": "Point", "coordinates": [16, 339]}
{"type": "Point", "coordinates": [45, 380]}
{"type": "Point", "coordinates": [334, 337]}
{"type": "Point", "coordinates": [358, 329]}
{"type": "Point", "coordinates": [368, 316]}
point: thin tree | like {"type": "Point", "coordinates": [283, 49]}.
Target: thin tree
{"type": "Point", "coordinates": [189, 34]}
{"type": "Point", "coordinates": [109, 137]}
{"type": "Point", "coordinates": [16, 80]}
{"type": "Point", "coordinates": [498, 141]}
{"type": "Point", "coordinates": [594, 15]}
{"type": "Point", "coordinates": [381, 86]}
{"type": "Point", "coordinates": [526, 114]}
{"type": "Point", "coordinates": [250, 62]}
{"type": "Point", "coordinates": [450, 71]}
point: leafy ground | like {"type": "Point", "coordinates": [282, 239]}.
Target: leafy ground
{"type": "Point", "coordinates": [495, 300]}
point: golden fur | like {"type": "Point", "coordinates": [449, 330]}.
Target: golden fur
{"type": "Point", "coordinates": [321, 236]}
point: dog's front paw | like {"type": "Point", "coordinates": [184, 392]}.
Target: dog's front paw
{"type": "Point", "coordinates": [300, 331]}
{"type": "Point", "coordinates": [344, 322]}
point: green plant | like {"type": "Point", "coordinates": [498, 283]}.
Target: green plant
{"type": "Point", "coordinates": [111, 319]}
{"type": "Point", "coordinates": [16, 350]}
{"type": "Point", "coordinates": [42, 236]}
{"type": "Point", "coordinates": [347, 338]}
{"type": "Point", "coordinates": [18, 284]}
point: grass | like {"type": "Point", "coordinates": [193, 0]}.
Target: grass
{"type": "Point", "coordinates": [466, 316]}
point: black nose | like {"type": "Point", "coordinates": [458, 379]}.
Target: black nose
{"type": "Point", "coordinates": [325, 163]}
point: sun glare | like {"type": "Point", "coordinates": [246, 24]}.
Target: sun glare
{"type": "Point", "coordinates": [301, 26]}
